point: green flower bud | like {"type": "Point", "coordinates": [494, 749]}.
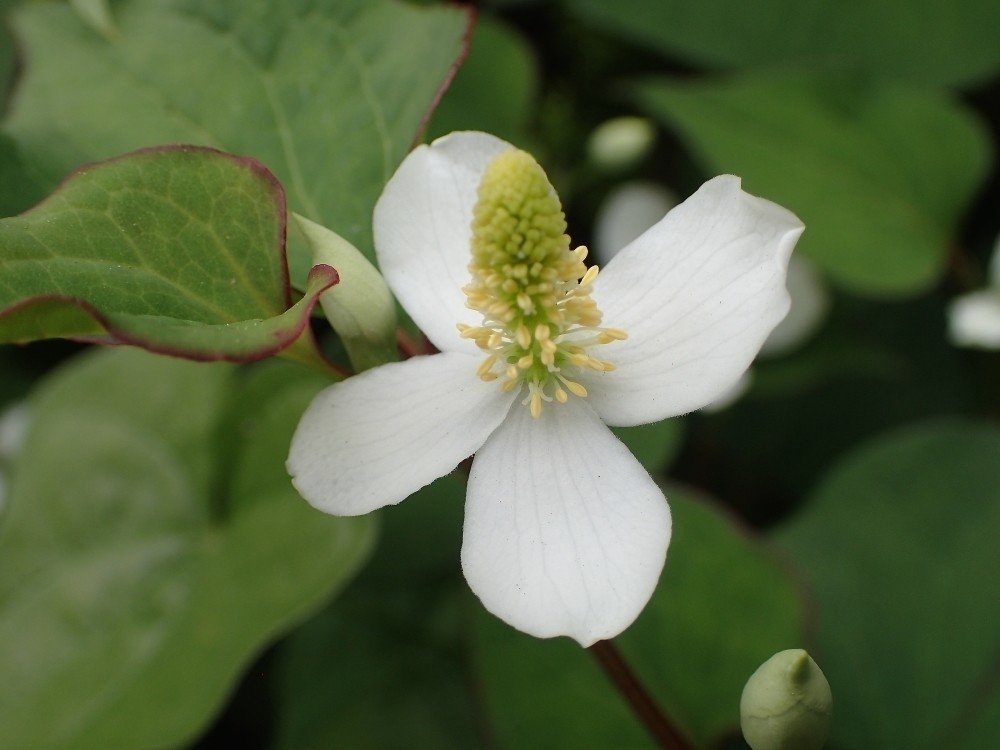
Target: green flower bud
{"type": "Point", "coordinates": [621, 142]}
{"type": "Point", "coordinates": [360, 308]}
{"type": "Point", "coordinates": [786, 704]}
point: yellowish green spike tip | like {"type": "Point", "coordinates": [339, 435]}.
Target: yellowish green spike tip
{"type": "Point", "coordinates": [534, 292]}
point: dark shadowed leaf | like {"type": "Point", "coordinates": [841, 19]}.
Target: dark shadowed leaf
{"type": "Point", "coordinates": [899, 544]}
{"type": "Point", "coordinates": [879, 173]}
{"type": "Point", "coordinates": [926, 41]}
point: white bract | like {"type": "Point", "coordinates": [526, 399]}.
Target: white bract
{"type": "Point", "coordinates": [633, 207]}
{"type": "Point", "coordinates": [565, 533]}
{"type": "Point", "coordinates": [974, 318]}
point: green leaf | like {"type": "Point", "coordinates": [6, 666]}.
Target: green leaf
{"type": "Point", "coordinates": [329, 94]}
{"type": "Point", "coordinates": [6, 63]}
{"type": "Point", "coordinates": [96, 14]}
{"type": "Point", "coordinates": [879, 173]}
{"type": "Point", "coordinates": [391, 646]}
{"type": "Point", "coordinates": [18, 189]}
{"type": "Point", "coordinates": [142, 568]}
{"type": "Point", "coordinates": [722, 607]}
{"type": "Point", "coordinates": [422, 537]}
{"type": "Point", "coordinates": [495, 90]}
{"type": "Point", "coordinates": [179, 250]}
{"type": "Point", "coordinates": [899, 542]}
{"type": "Point", "coordinates": [656, 445]}
{"type": "Point", "coordinates": [875, 367]}
{"type": "Point", "coordinates": [926, 41]}
{"type": "Point", "coordinates": [381, 669]}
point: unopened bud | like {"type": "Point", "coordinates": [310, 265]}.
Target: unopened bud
{"type": "Point", "coordinates": [620, 143]}
{"type": "Point", "coordinates": [786, 704]}
{"type": "Point", "coordinates": [360, 308]}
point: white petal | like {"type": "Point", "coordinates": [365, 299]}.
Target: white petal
{"type": "Point", "coordinates": [974, 320]}
{"type": "Point", "coordinates": [376, 438]}
{"type": "Point", "coordinates": [697, 294]}
{"type": "Point", "coordinates": [627, 212]}
{"type": "Point", "coordinates": [729, 397]}
{"type": "Point", "coordinates": [810, 304]}
{"type": "Point", "coordinates": [565, 532]}
{"type": "Point", "coordinates": [423, 226]}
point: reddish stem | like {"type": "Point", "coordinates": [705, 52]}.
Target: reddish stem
{"type": "Point", "coordinates": [656, 722]}
{"type": "Point", "coordinates": [406, 345]}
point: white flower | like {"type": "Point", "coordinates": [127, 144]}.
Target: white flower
{"type": "Point", "coordinates": [633, 207]}
{"type": "Point", "coordinates": [565, 533]}
{"type": "Point", "coordinates": [974, 318]}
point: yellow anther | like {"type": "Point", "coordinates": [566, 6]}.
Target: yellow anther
{"type": "Point", "coordinates": [588, 277]}
{"type": "Point", "coordinates": [542, 332]}
{"type": "Point", "coordinates": [526, 361]}
{"type": "Point", "coordinates": [523, 337]}
{"type": "Point", "coordinates": [498, 308]}
{"type": "Point", "coordinates": [611, 334]}
{"type": "Point", "coordinates": [487, 366]}
{"type": "Point", "coordinates": [560, 395]}
{"type": "Point", "coordinates": [573, 387]}
{"type": "Point", "coordinates": [536, 404]}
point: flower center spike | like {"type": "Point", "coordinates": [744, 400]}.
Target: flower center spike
{"type": "Point", "coordinates": [539, 320]}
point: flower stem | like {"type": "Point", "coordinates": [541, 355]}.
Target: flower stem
{"type": "Point", "coordinates": [408, 347]}
{"type": "Point", "coordinates": [656, 722]}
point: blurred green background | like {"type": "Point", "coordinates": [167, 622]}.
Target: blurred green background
{"type": "Point", "coordinates": [162, 584]}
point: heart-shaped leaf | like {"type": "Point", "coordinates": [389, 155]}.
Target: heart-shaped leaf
{"type": "Point", "coordinates": [152, 545]}
{"type": "Point", "coordinates": [880, 173]}
{"type": "Point", "coordinates": [899, 542]}
{"type": "Point", "coordinates": [925, 41]}
{"type": "Point", "coordinates": [179, 250]}
{"type": "Point", "coordinates": [329, 94]}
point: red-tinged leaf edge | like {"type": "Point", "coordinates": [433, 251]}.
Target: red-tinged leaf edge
{"type": "Point", "coordinates": [463, 53]}
{"type": "Point", "coordinates": [248, 162]}
{"type": "Point", "coordinates": [116, 329]}
{"type": "Point", "coordinates": [86, 323]}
